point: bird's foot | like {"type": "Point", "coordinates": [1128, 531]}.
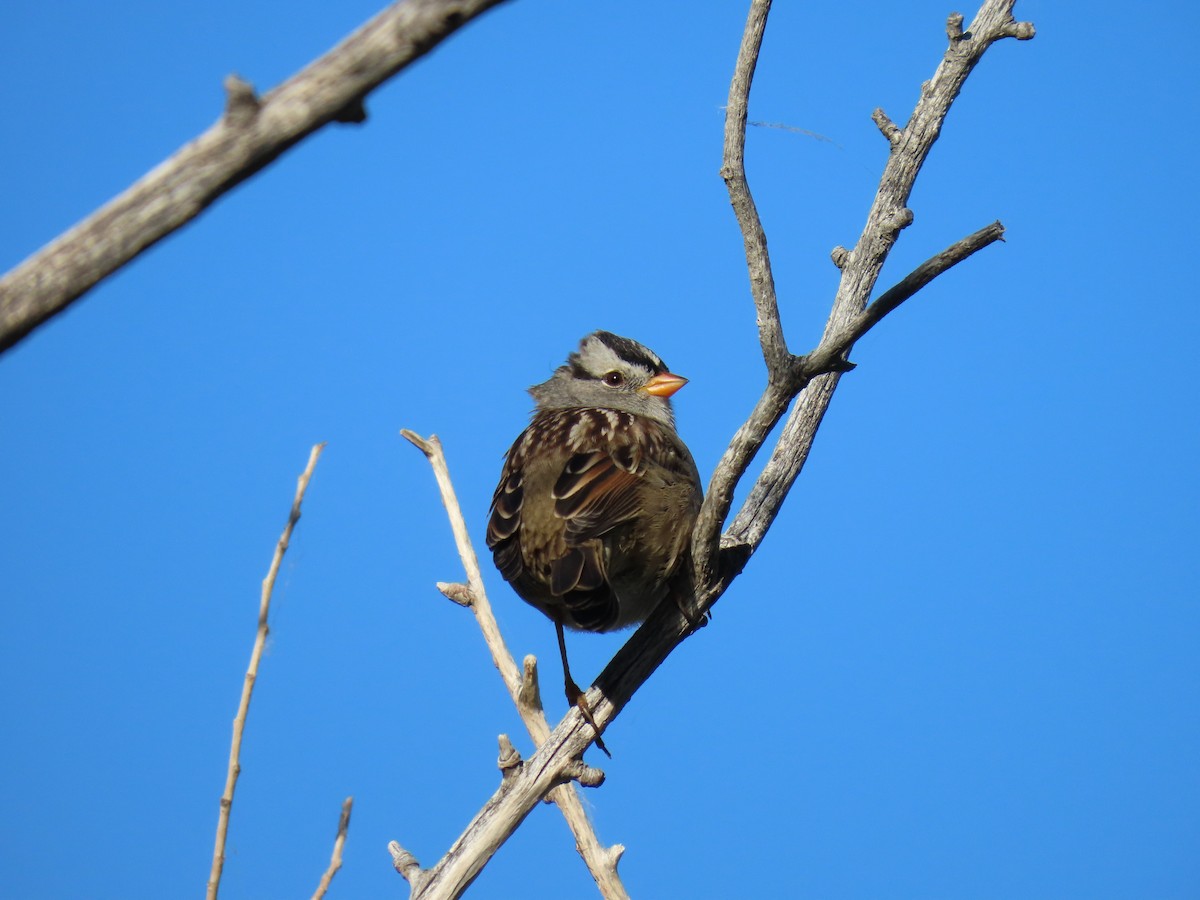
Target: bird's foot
{"type": "Point", "coordinates": [576, 698]}
{"type": "Point", "coordinates": [695, 623]}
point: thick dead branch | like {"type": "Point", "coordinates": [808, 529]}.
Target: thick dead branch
{"type": "Point", "coordinates": [554, 764]}
{"type": "Point", "coordinates": [250, 134]}
{"type": "Point", "coordinates": [812, 377]}
{"type": "Point", "coordinates": [260, 640]}
{"type": "Point", "coordinates": [522, 687]}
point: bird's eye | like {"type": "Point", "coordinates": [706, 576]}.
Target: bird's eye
{"type": "Point", "coordinates": [614, 379]}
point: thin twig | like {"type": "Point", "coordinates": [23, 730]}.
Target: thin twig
{"type": "Point", "coordinates": [836, 345]}
{"type": "Point", "coordinates": [476, 594]}
{"type": "Point", "coordinates": [335, 861]}
{"type": "Point", "coordinates": [260, 640]}
{"type": "Point", "coordinates": [600, 860]}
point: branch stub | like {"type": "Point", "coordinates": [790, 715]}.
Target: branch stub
{"type": "Point", "coordinates": [587, 776]}
{"type": "Point", "coordinates": [406, 864]}
{"type": "Point", "coordinates": [529, 695]}
{"type": "Point", "coordinates": [458, 592]}
{"type": "Point", "coordinates": [954, 26]}
{"type": "Point", "coordinates": [241, 102]}
{"type": "Point", "coordinates": [509, 762]}
{"type": "Point", "coordinates": [886, 126]}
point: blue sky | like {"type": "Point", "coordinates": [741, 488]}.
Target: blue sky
{"type": "Point", "coordinates": [963, 663]}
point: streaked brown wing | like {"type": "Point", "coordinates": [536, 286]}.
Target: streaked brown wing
{"type": "Point", "coordinates": [560, 568]}
{"type": "Point", "coordinates": [596, 492]}
{"type": "Point", "coordinates": [506, 508]}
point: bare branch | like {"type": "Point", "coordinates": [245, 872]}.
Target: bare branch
{"type": "Point", "coordinates": [771, 487]}
{"type": "Point", "coordinates": [335, 862]}
{"type": "Point", "coordinates": [909, 151]}
{"type": "Point", "coordinates": [812, 379]}
{"type": "Point", "coordinates": [829, 355]}
{"type": "Point", "coordinates": [554, 763]}
{"type": "Point", "coordinates": [718, 500]}
{"type": "Point", "coordinates": [733, 170]}
{"type": "Point", "coordinates": [860, 269]}
{"type": "Point", "coordinates": [556, 760]}
{"type": "Point", "coordinates": [249, 135]}
{"type": "Point", "coordinates": [767, 496]}
{"type": "Point", "coordinates": [476, 594]}
{"type": "Point", "coordinates": [772, 404]}
{"type": "Point", "coordinates": [522, 685]}
{"type": "Point", "coordinates": [260, 640]}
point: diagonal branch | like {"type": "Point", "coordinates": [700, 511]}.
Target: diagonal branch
{"type": "Point", "coordinates": [600, 860]}
{"type": "Point", "coordinates": [252, 132]}
{"type": "Point", "coordinates": [335, 861]}
{"type": "Point", "coordinates": [829, 356]}
{"type": "Point", "coordinates": [733, 170]}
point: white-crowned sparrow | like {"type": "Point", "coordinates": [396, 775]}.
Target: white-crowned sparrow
{"type": "Point", "coordinates": [592, 519]}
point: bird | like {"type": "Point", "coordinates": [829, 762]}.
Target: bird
{"type": "Point", "coordinates": [591, 521]}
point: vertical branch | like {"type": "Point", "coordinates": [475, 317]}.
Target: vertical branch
{"type": "Point", "coordinates": [260, 640]}
{"type": "Point", "coordinates": [774, 400]}
{"type": "Point", "coordinates": [733, 170]}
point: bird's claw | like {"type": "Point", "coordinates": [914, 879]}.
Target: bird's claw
{"type": "Point", "coordinates": [578, 699]}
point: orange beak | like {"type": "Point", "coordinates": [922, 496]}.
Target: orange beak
{"type": "Point", "coordinates": [664, 385]}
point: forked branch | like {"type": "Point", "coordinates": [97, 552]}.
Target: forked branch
{"type": "Point", "coordinates": [811, 378]}
{"type": "Point", "coordinates": [522, 687]}
{"type": "Point", "coordinates": [814, 377]}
